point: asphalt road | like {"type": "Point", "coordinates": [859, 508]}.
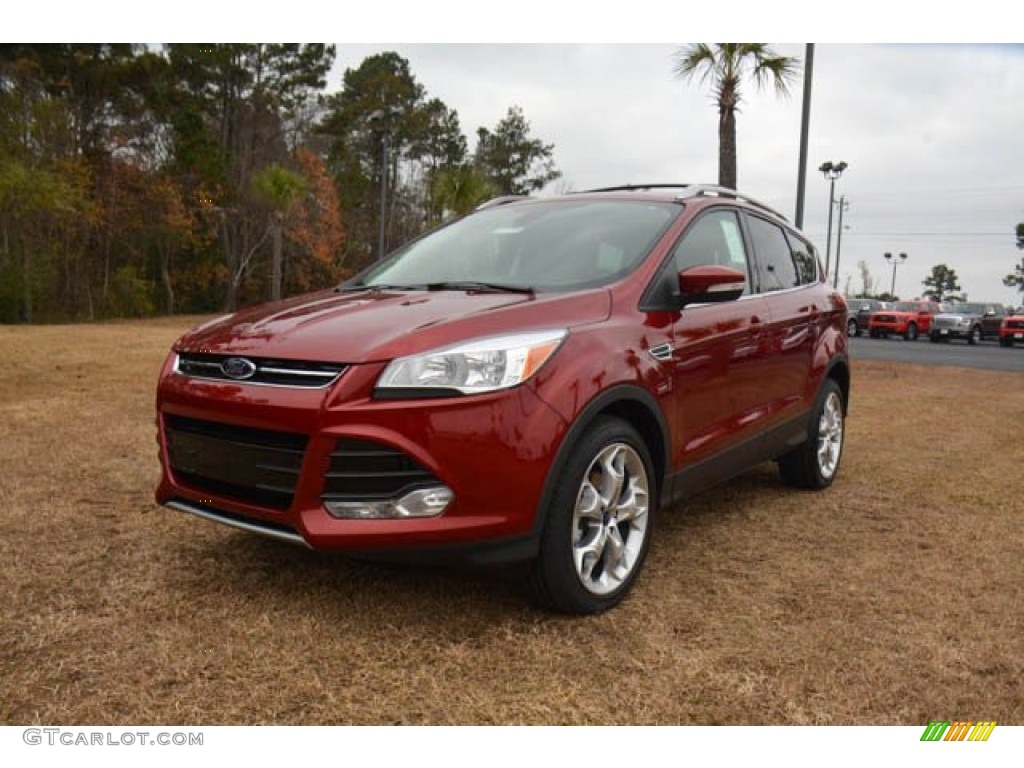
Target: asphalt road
{"type": "Point", "coordinates": [987, 355]}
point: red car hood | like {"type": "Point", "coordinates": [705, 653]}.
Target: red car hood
{"type": "Point", "coordinates": [382, 325]}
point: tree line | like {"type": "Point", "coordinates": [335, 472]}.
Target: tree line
{"type": "Point", "coordinates": [197, 177]}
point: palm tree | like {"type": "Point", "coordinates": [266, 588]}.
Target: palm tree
{"type": "Point", "coordinates": [724, 67]}
{"type": "Point", "coordinates": [458, 190]}
{"type": "Point", "coordinates": [281, 189]}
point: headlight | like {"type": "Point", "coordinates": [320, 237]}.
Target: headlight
{"type": "Point", "coordinates": [483, 365]}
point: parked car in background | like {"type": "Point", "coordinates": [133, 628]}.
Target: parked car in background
{"type": "Point", "coordinates": [908, 319]}
{"type": "Point", "coordinates": [530, 383]}
{"type": "Point", "coordinates": [972, 322]}
{"type": "Point", "coordinates": [858, 312]}
{"type": "Point", "coordinates": [1011, 330]}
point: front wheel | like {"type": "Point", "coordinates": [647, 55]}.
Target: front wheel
{"type": "Point", "coordinates": [975, 336]}
{"type": "Point", "coordinates": [815, 463]}
{"type": "Point", "coordinates": [599, 522]}
{"type": "Point", "coordinates": [851, 328]}
{"type": "Point", "coordinates": [911, 334]}
{"type": "Point", "coordinates": [934, 338]}
{"type": "Point", "coordinates": [1005, 341]}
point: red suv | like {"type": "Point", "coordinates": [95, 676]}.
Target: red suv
{"type": "Point", "coordinates": [532, 382]}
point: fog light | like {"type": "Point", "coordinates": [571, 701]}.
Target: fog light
{"type": "Point", "coordinates": [422, 502]}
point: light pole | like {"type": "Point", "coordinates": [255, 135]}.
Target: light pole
{"type": "Point", "coordinates": [894, 261]}
{"type": "Point", "coordinates": [805, 122]}
{"type": "Point", "coordinates": [832, 171]}
{"type": "Point", "coordinates": [843, 205]}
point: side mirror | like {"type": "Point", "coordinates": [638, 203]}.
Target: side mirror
{"type": "Point", "coordinates": [698, 285]}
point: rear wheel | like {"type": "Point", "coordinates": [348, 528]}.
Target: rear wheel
{"type": "Point", "coordinates": [933, 337]}
{"type": "Point", "coordinates": [911, 334]}
{"type": "Point", "coordinates": [851, 327]}
{"type": "Point", "coordinates": [1005, 341]}
{"type": "Point", "coordinates": [599, 522]}
{"type": "Point", "coordinates": [815, 463]}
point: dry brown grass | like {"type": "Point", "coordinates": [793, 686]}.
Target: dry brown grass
{"type": "Point", "coordinates": [894, 598]}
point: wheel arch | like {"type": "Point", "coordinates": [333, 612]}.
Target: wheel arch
{"type": "Point", "coordinates": [634, 405]}
{"type": "Point", "coordinates": [839, 371]}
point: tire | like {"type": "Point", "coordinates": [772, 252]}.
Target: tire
{"type": "Point", "coordinates": [815, 463]}
{"type": "Point", "coordinates": [588, 558]}
{"type": "Point", "coordinates": [874, 334]}
{"type": "Point", "coordinates": [852, 329]}
{"type": "Point", "coordinates": [974, 336]}
{"type": "Point", "coordinates": [1005, 342]}
{"type": "Point", "coordinates": [911, 334]}
{"type": "Point", "coordinates": [934, 338]}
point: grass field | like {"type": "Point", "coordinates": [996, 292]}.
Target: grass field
{"type": "Point", "coordinates": [896, 597]}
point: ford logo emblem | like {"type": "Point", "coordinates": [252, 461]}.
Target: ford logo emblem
{"type": "Point", "coordinates": [238, 368]}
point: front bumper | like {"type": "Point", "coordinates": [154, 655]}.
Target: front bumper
{"type": "Point", "coordinates": [888, 328]}
{"type": "Point", "coordinates": [952, 332]}
{"type": "Point", "coordinates": [493, 451]}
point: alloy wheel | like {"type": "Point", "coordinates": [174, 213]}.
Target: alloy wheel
{"type": "Point", "coordinates": [610, 519]}
{"type": "Point", "coordinates": [830, 435]}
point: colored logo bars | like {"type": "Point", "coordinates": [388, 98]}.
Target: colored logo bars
{"type": "Point", "coordinates": [958, 730]}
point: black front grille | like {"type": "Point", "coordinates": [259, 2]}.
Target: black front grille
{"type": "Point", "coordinates": [282, 373]}
{"type": "Point", "coordinates": [256, 466]}
{"type": "Point", "coordinates": [1015, 323]}
{"type": "Point", "coordinates": [365, 469]}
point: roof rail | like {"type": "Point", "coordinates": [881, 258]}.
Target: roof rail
{"type": "Point", "coordinates": [693, 190]}
{"type": "Point", "coordinates": [705, 190]}
{"type": "Point", "coordinates": [634, 188]}
{"type": "Point", "coordinates": [503, 200]}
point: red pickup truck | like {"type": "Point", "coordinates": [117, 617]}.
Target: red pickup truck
{"type": "Point", "coordinates": [908, 319]}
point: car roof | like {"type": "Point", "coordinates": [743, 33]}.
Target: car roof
{"type": "Point", "coordinates": [674, 193]}
{"type": "Point", "coordinates": [679, 192]}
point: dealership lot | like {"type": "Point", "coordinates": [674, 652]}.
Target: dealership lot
{"type": "Point", "coordinates": [985, 355]}
{"type": "Point", "coordinates": [892, 598]}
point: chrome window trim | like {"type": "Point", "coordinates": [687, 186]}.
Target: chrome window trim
{"type": "Point", "coordinates": [748, 297]}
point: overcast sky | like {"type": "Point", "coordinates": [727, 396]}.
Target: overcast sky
{"type": "Point", "coordinates": [932, 134]}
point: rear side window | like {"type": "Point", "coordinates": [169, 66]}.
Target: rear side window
{"type": "Point", "coordinates": [806, 260]}
{"type": "Point", "coordinates": [774, 256]}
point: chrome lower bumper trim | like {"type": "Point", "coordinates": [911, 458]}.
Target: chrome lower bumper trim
{"type": "Point", "coordinates": [252, 526]}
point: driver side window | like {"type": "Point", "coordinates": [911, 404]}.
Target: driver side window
{"type": "Point", "coordinates": [713, 240]}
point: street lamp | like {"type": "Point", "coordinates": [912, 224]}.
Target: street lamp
{"type": "Point", "coordinates": [894, 261]}
{"type": "Point", "coordinates": [832, 171]}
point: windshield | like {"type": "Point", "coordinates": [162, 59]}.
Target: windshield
{"type": "Point", "coordinates": [543, 245]}
{"type": "Point", "coordinates": [906, 306]}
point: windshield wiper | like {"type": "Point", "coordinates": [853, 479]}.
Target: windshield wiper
{"type": "Point", "coordinates": [475, 285]}
{"type": "Point", "coordinates": [378, 287]}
